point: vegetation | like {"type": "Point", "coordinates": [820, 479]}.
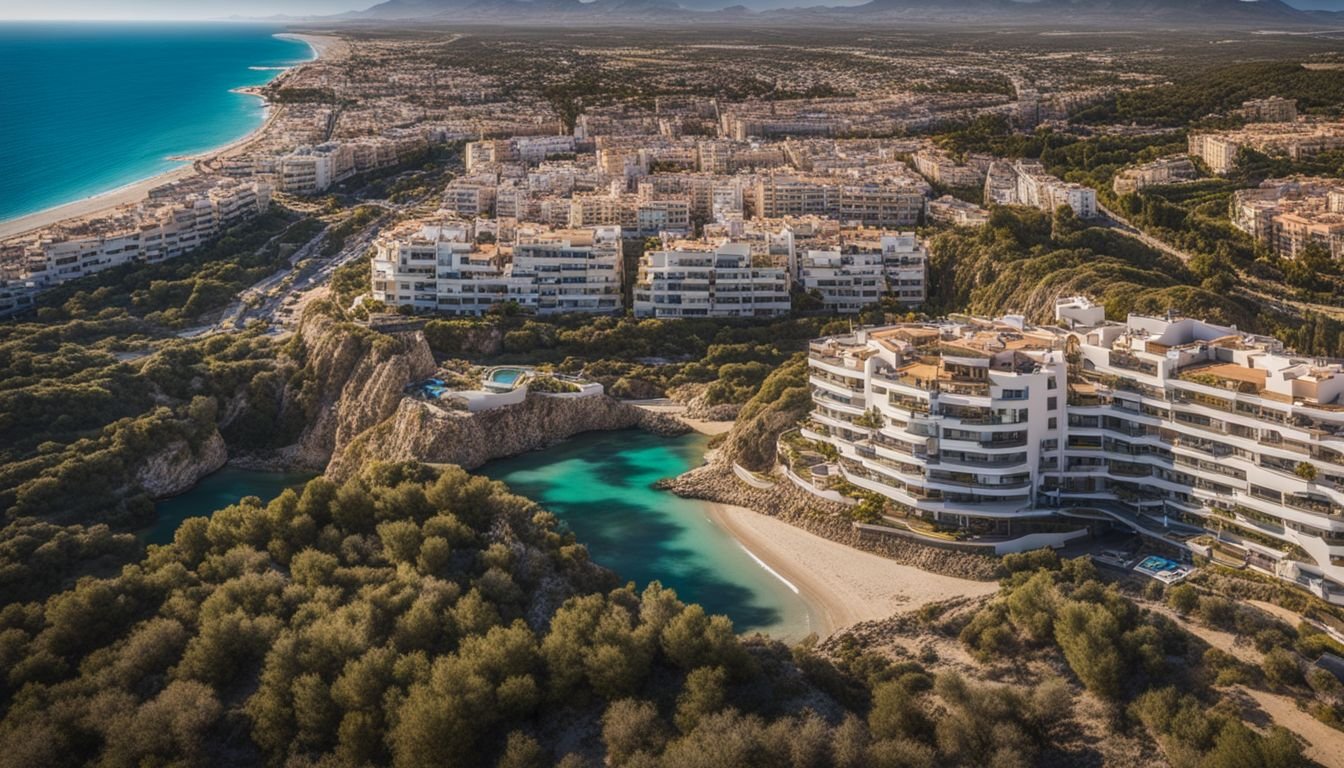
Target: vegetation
{"type": "Point", "coordinates": [1221, 90]}
{"type": "Point", "coordinates": [180, 291]}
{"type": "Point", "coordinates": [1024, 259]}
{"type": "Point", "coordinates": [410, 617]}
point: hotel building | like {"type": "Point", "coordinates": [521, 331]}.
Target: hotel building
{"type": "Point", "coordinates": [1207, 438]}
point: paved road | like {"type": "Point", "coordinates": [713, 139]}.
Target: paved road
{"type": "Point", "coordinates": [1120, 224]}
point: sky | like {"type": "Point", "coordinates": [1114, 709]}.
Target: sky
{"type": "Point", "coordinates": [214, 9]}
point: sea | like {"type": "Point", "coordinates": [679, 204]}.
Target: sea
{"type": "Point", "coordinates": [92, 107]}
{"type": "Point", "coordinates": [600, 484]}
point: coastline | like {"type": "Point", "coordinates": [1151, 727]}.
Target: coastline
{"type": "Point", "coordinates": [678, 411]}
{"type": "Point", "coordinates": [138, 190]}
{"type": "Point", "coordinates": [842, 586]}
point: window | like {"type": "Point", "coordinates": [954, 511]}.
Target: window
{"type": "Point", "coordinates": [1054, 423]}
{"type": "Point", "coordinates": [1052, 403]}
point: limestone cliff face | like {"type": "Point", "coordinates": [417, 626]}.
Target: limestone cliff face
{"type": "Point", "coordinates": [176, 467]}
{"type": "Point", "coordinates": [425, 432]}
{"type": "Point", "coordinates": [352, 379]}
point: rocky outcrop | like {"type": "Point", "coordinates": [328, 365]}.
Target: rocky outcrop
{"type": "Point", "coordinates": [788, 502]}
{"type": "Point", "coordinates": [426, 432]}
{"type": "Point", "coordinates": [178, 466]}
{"type": "Point", "coordinates": [351, 379]}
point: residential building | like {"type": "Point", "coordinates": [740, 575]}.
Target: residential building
{"type": "Point", "coordinates": [941, 168]}
{"type": "Point", "coordinates": [438, 267]}
{"type": "Point", "coordinates": [1220, 150]}
{"type": "Point", "coordinates": [1291, 214]}
{"type": "Point", "coordinates": [959, 213]}
{"type": "Point", "coordinates": [1167, 170]}
{"type": "Point", "coordinates": [572, 270]}
{"type": "Point", "coordinates": [1025, 182]}
{"type": "Point", "coordinates": [1198, 435]}
{"type": "Point", "coordinates": [1274, 109]}
{"type": "Point", "coordinates": [441, 267]}
{"type": "Point", "coordinates": [708, 279]}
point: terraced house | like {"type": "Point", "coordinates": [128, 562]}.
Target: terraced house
{"type": "Point", "coordinates": [1212, 440]}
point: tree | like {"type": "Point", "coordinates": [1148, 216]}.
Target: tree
{"type": "Point", "coordinates": [630, 726]}
{"type": "Point", "coordinates": [1183, 598]}
{"type": "Point", "coordinates": [1281, 667]}
{"type": "Point", "coordinates": [703, 695]}
{"type": "Point", "coordinates": [1089, 636]}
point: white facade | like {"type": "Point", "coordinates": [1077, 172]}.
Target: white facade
{"type": "Point", "coordinates": [440, 268]}
{"type": "Point", "coordinates": [860, 271]}
{"type": "Point", "coordinates": [709, 280]}
{"type": "Point", "coordinates": [1208, 438]}
{"type": "Point", "coordinates": [570, 271]}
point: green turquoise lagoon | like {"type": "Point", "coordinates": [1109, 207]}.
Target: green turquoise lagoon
{"type": "Point", "coordinates": [600, 485]}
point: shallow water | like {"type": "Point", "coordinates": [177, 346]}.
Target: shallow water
{"type": "Point", "coordinates": [600, 485]}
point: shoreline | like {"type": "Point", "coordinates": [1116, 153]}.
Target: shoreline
{"type": "Point", "coordinates": [678, 411]}
{"type": "Point", "coordinates": [841, 586]}
{"type": "Point", "coordinates": [136, 191]}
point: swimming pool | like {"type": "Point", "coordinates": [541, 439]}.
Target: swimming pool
{"type": "Point", "coordinates": [1162, 569]}
{"type": "Point", "coordinates": [505, 375]}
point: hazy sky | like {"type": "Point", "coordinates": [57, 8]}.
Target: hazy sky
{"type": "Point", "coordinates": [214, 9]}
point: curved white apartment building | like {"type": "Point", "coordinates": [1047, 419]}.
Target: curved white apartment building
{"type": "Point", "coordinates": [1209, 438]}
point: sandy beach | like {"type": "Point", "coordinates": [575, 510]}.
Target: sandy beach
{"type": "Point", "coordinates": [664, 405]}
{"type": "Point", "coordinates": [843, 586]}
{"type": "Point", "coordinates": [324, 46]}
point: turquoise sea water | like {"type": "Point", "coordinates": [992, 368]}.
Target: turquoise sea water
{"type": "Point", "coordinates": [225, 487]}
{"type": "Point", "coordinates": [92, 107]}
{"type": "Point", "coordinates": [600, 485]}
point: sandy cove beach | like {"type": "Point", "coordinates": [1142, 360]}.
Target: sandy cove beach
{"type": "Point", "coordinates": [671, 408]}
{"type": "Point", "coordinates": [842, 585]}
{"type": "Point", "coordinates": [324, 46]}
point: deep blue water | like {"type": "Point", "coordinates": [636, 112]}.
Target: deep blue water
{"type": "Point", "coordinates": [90, 107]}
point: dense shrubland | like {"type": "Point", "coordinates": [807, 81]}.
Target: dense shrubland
{"type": "Point", "coordinates": [1221, 90]}
{"type": "Point", "coordinates": [1024, 259]}
{"type": "Point", "coordinates": [414, 617]}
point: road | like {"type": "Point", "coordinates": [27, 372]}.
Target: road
{"type": "Point", "coordinates": [1121, 224]}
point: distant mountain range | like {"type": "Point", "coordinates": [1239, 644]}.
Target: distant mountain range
{"type": "Point", "coordinates": [1221, 13]}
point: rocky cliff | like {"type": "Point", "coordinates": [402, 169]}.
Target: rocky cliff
{"type": "Point", "coordinates": [177, 466]}
{"type": "Point", "coordinates": [425, 432]}
{"type": "Point", "coordinates": [350, 380]}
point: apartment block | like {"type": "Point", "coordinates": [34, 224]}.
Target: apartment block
{"type": "Point", "coordinates": [708, 279]}
{"type": "Point", "coordinates": [1025, 182]}
{"type": "Point", "coordinates": [893, 201]}
{"type": "Point", "coordinates": [440, 267]}
{"type": "Point", "coordinates": [1274, 109]}
{"type": "Point", "coordinates": [173, 220]}
{"type": "Point", "coordinates": [311, 170]}
{"type": "Point", "coordinates": [941, 168]}
{"type": "Point", "coordinates": [1167, 170]}
{"type": "Point", "coordinates": [1290, 215]}
{"type": "Point", "coordinates": [1206, 438]}
{"type": "Point", "coordinates": [1219, 150]}
{"type": "Point", "coordinates": [955, 212]}
{"type": "Point", "coordinates": [862, 268]}
{"type": "Point", "coordinates": [572, 270]}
